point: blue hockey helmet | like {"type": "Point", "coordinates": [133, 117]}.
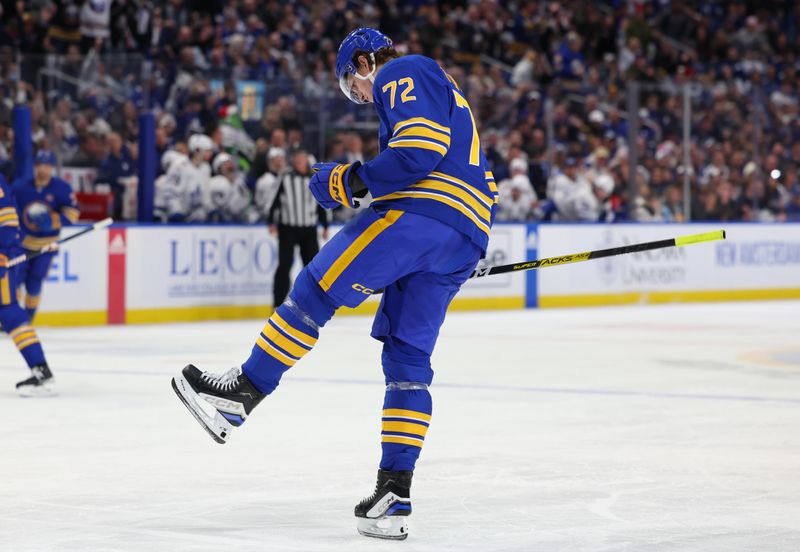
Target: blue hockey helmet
{"type": "Point", "coordinates": [363, 38]}
{"type": "Point", "coordinates": [44, 157]}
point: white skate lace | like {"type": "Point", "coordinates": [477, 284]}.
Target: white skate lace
{"type": "Point", "coordinates": [223, 382]}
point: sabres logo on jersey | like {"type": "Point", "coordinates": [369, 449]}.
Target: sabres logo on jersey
{"type": "Point", "coordinates": [37, 217]}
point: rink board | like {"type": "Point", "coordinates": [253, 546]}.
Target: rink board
{"type": "Point", "coordinates": [755, 262]}
{"type": "Point", "coordinates": [157, 273]}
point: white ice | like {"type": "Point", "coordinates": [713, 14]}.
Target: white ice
{"type": "Point", "coordinates": [668, 428]}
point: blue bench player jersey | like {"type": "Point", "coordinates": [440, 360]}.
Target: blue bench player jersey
{"type": "Point", "coordinates": [43, 211]}
{"type": "Point", "coordinates": [9, 240]}
{"type": "Point", "coordinates": [431, 162]}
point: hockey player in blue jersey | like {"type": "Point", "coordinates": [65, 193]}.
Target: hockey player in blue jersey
{"type": "Point", "coordinates": [46, 204]}
{"type": "Point", "coordinates": [13, 318]}
{"type": "Point", "coordinates": [425, 231]}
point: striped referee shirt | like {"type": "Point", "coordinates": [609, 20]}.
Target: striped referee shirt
{"type": "Point", "coordinates": [294, 205]}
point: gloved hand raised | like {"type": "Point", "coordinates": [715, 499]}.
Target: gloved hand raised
{"type": "Point", "coordinates": [336, 184]}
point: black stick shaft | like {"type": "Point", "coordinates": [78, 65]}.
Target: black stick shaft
{"type": "Point", "coordinates": [598, 254]}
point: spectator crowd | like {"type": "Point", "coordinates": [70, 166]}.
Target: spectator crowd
{"type": "Point", "coordinates": [548, 83]}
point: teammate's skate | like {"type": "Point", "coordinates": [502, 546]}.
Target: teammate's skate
{"type": "Point", "coordinates": [383, 515]}
{"type": "Point", "coordinates": [219, 402]}
{"type": "Point", "coordinates": [40, 384]}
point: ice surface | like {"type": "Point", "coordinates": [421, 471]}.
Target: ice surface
{"type": "Point", "coordinates": [636, 429]}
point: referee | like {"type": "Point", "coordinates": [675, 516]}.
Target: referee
{"type": "Point", "coordinates": [294, 216]}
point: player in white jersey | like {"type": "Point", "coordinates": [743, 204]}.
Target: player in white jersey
{"type": "Point", "coordinates": [518, 200]}
{"type": "Point", "coordinates": [166, 190]}
{"type": "Point", "coordinates": [587, 202]}
{"type": "Point", "coordinates": [563, 183]}
{"type": "Point", "coordinates": [181, 195]}
{"type": "Point", "coordinates": [228, 199]}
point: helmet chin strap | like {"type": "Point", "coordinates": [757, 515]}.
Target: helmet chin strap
{"type": "Point", "coordinates": [371, 75]}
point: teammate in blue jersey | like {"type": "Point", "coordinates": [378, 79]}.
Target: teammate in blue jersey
{"type": "Point", "coordinates": [421, 238]}
{"type": "Point", "coordinates": [46, 204]}
{"type": "Point", "coordinates": [13, 318]}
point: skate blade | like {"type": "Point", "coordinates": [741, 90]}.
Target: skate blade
{"type": "Point", "coordinates": [47, 389]}
{"type": "Point", "coordinates": [387, 527]}
{"type": "Point", "coordinates": [217, 426]}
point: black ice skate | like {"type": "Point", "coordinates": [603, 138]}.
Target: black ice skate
{"type": "Point", "coordinates": [40, 384]}
{"type": "Point", "coordinates": [383, 515]}
{"type": "Point", "coordinates": [219, 402]}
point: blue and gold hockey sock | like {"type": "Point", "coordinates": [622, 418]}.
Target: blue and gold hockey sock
{"type": "Point", "coordinates": [407, 409]}
{"type": "Point", "coordinates": [27, 343]}
{"type": "Point", "coordinates": [287, 336]}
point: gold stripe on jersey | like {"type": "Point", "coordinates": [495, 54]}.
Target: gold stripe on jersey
{"type": "Point", "coordinates": [418, 143]}
{"type": "Point", "coordinates": [71, 213]}
{"type": "Point", "coordinates": [5, 291]}
{"type": "Point", "coordinates": [3, 261]}
{"type": "Point", "coordinates": [356, 247]}
{"type": "Point", "coordinates": [34, 243]}
{"type": "Point", "coordinates": [420, 121]}
{"type": "Point", "coordinates": [492, 186]}
{"type": "Point", "coordinates": [450, 78]}
{"type": "Point", "coordinates": [480, 209]}
{"type": "Point", "coordinates": [452, 179]}
{"type": "Point", "coordinates": [441, 198]}
{"type": "Point", "coordinates": [423, 132]}
{"type": "Point", "coordinates": [8, 217]}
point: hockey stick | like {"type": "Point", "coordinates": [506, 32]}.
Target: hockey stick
{"type": "Point", "coordinates": [598, 254]}
{"type": "Point", "coordinates": [19, 259]}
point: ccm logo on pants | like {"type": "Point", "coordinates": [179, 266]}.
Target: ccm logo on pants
{"type": "Point", "coordinates": [361, 289]}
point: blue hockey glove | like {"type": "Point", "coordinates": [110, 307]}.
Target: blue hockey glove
{"type": "Point", "coordinates": [333, 184]}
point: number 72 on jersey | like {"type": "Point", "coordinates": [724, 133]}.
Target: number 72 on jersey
{"type": "Point", "coordinates": [407, 85]}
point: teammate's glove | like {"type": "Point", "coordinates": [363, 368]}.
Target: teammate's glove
{"type": "Point", "coordinates": [333, 185]}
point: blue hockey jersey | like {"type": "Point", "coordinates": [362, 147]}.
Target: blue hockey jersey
{"type": "Point", "coordinates": [43, 211]}
{"type": "Point", "coordinates": [431, 162]}
{"type": "Point", "coordinates": [9, 225]}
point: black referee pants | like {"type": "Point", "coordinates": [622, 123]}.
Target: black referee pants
{"type": "Point", "coordinates": [290, 237]}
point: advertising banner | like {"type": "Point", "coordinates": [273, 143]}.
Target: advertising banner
{"type": "Point", "coordinates": [159, 273]}
{"type": "Point", "coordinates": [506, 245]}
{"type": "Point", "coordinates": [198, 271]}
{"type": "Point", "coordinates": [75, 289]}
{"type": "Point", "coordinates": [754, 262]}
